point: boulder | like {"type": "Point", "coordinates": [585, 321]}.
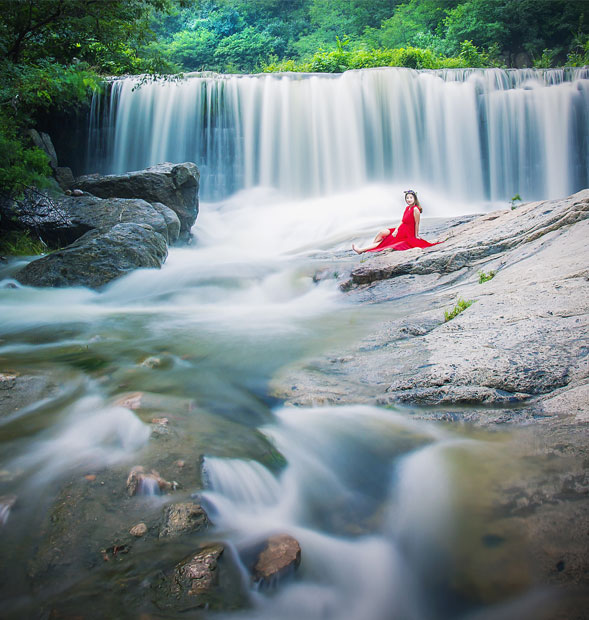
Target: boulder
{"type": "Point", "coordinates": [280, 556]}
{"type": "Point", "coordinates": [198, 573]}
{"type": "Point", "coordinates": [64, 177]}
{"type": "Point", "coordinates": [182, 519]}
{"type": "Point", "coordinates": [97, 258]}
{"type": "Point", "coordinates": [61, 220]}
{"type": "Point", "coordinates": [42, 141]}
{"type": "Point", "coordinates": [174, 185]}
{"type": "Point", "coordinates": [171, 219]}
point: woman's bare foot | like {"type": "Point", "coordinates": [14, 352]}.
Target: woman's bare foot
{"type": "Point", "coordinates": [357, 250]}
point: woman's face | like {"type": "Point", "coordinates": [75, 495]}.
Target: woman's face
{"type": "Point", "coordinates": [410, 199]}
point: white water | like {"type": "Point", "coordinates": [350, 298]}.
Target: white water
{"type": "Point", "coordinates": [370, 498]}
{"type": "Point", "coordinates": [466, 134]}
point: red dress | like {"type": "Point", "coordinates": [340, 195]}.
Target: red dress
{"type": "Point", "coordinates": [405, 239]}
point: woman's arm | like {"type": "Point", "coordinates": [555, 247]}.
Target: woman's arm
{"type": "Point", "coordinates": [396, 230]}
{"type": "Point", "coordinates": [417, 217]}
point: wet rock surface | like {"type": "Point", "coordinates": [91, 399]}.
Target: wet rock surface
{"type": "Point", "coordinates": [97, 258]}
{"type": "Point", "coordinates": [280, 556]}
{"type": "Point", "coordinates": [205, 579]}
{"type": "Point", "coordinates": [198, 573]}
{"type": "Point", "coordinates": [140, 482]}
{"type": "Point", "coordinates": [20, 390]}
{"type": "Point", "coordinates": [174, 185]}
{"type": "Point", "coordinates": [183, 518]}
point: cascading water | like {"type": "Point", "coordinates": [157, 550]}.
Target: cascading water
{"type": "Point", "coordinates": [370, 497]}
{"type": "Point", "coordinates": [468, 134]}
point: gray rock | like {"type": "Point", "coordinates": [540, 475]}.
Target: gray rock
{"type": "Point", "coordinates": [183, 518]}
{"type": "Point", "coordinates": [61, 220]}
{"type": "Point", "coordinates": [97, 258]}
{"type": "Point", "coordinates": [520, 341]}
{"type": "Point", "coordinates": [43, 141]}
{"type": "Point", "coordinates": [139, 530]}
{"type": "Point", "coordinates": [18, 391]}
{"type": "Point", "coordinates": [91, 213]}
{"type": "Point", "coordinates": [171, 219]}
{"type": "Point", "coordinates": [174, 185]}
{"type": "Point", "coordinates": [64, 177]}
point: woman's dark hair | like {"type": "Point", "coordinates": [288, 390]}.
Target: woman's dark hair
{"type": "Point", "coordinates": [414, 194]}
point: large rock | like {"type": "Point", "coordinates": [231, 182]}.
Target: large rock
{"type": "Point", "coordinates": [61, 220]}
{"type": "Point", "coordinates": [519, 341]}
{"type": "Point", "coordinates": [97, 258]}
{"type": "Point", "coordinates": [281, 555]}
{"type": "Point", "coordinates": [174, 185]}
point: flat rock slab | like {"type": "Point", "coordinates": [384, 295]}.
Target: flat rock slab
{"type": "Point", "coordinates": [97, 258]}
{"type": "Point", "coordinates": [174, 185]}
{"type": "Point", "coordinates": [523, 337]}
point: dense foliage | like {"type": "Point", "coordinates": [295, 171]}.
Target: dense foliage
{"type": "Point", "coordinates": [52, 54]}
{"type": "Point", "coordinates": [324, 35]}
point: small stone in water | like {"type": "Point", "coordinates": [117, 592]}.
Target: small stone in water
{"type": "Point", "coordinates": [140, 483]}
{"type": "Point", "coordinates": [160, 421]}
{"type": "Point", "coordinates": [77, 192]}
{"type": "Point", "coordinates": [180, 464]}
{"type": "Point", "coordinates": [183, 518]}
{"type": "Point", "coordinates": [152, 362]}
{"type": "Point", "coordinates": [7, 380]}
{"type": "Point", "coordinates": [130, 401]}
{"type": "Point", "coordinates": [138, 530]}
{"type": "Point", "coordinates": [90, 477]}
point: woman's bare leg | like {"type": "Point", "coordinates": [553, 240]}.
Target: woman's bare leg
{"type": "Point", "coordinates": [377, 240]}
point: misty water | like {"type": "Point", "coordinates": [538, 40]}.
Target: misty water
{"type": "Point", "coordinates": [396, 517]}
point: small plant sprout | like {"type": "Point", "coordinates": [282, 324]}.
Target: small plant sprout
{"type": "Point", "coordinates": [515, 199]}
{"type": "Point", "coordinates": [461, 306]}
{"type": "Point", "coordinates": [485, 277]}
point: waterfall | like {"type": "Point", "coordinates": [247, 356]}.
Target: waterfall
{"type": "Point", "coordinates": [480, 134]}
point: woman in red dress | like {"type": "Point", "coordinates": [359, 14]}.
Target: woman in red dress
{"type": "Point", "coordinates": [406, 235]}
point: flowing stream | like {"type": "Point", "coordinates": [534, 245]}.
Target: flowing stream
{"type": "Point", "coordinates": [396, 518]}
